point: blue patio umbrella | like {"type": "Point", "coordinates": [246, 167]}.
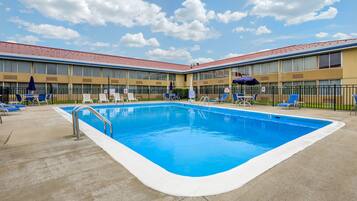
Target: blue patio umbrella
{"type": "Point", "coordinates": [31, 86]}
{"type": "Point", "coordinates": [246, 81]}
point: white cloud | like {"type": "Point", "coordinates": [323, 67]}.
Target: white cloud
{"type": "Point", "coordinates": [258, 31]}
{"type": "Point", "coordinates": [171, 54]}
{"type": "Point", "coordinates": [7, 9]}
{"type": "Point", "coordinates": [193, 10]}
{"type": "Point", "coordinates": [183, 25]}
{"type": "Point", "coordinates": [262, 30]}
{"type": "Point", "coordinates": [195, 48]}
{"type": "Point", "coordinates": [343, 36]}
{"type": "Point", "coordinates": [28, 39]}
{"type": "Point", "coordinates": [321, 35]}
{"type": "Point", "coordinates": [229, 16]}
{"type": "Point", "coordinates": [101, 44]}
{"type": "Point", "coordinates": [176, 54]}
{"type": "Point", "coordinates": [138, 40]}
{"type": "Point", "coordinates": [230, 55]}
{"type": "Point", "coordinates": [202, 60]}
{"type": "Point", "coordinates": [294, 12]}
{"type": "Point", "coordinates": [47, 30]}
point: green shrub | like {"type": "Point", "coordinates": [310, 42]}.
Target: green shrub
{"type": "Point", "coordinates": [183, 93]}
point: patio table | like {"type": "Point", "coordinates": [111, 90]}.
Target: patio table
{"type": "Point", "coordinates": [245, 100]}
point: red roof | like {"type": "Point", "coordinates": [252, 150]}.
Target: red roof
{"type": "Point", "coordinates": [57, 53]}
{"type": "Point", "coordinates": [273, 52]}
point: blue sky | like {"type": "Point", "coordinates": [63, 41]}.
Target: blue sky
{"type": "Point", "coordinates": [176, 31]}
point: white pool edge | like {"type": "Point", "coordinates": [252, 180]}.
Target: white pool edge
{"type": "Point", "coordinates": [161, 180]}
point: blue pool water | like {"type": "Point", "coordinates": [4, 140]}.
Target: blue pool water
{"type": "Point", "coordinates": [195, 140]}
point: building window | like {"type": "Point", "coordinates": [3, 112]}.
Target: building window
{"type": "Point", "coordinates": [77, 71]}
{"type": "Point", "coordinates": [158, 76]}
{"type": "Point", "coordinates": [40, 68]}
{"type": "Point", "coordinates": [298, 65]}
{"type": "Point", "coordinates": [62, 69]}
{"type": "Point", "coordinates": [10, 66]}
{"type": "Point", "coordinates": [331, 60]}
{"type": "Point", "coordinates": [108, 72]}
{"type": "Point", "coordinates": [139, 75]}
{"type": "Point", "coordinates": [256, 69]}
{"type": "Point", "coordinates": [324, 61]}
{"type": "Point", "coordinates": [172, 77]}
{"type": "Point", "coordinates": [310, 63]}
{"type": "Point", "coordinates": [327, 87]}
{"type": "Point", "coordinates": [52, 69]}
{"type": "Point", "coordinates": [120, 74]}
{"type": "Point", "coordinates": [96, 72]}
{"type": "Point", "coordinates": [287, 66]}
{"type": "Point", "coordinates": [195, 76]}
{"type": "Point", "coordinates": [335, 60]}
{"type": "Point", "coordinates": [87, 72]}
{"type": "Point", "coordinates": [77, 89]}
{"type": "Point", "coordinates": [24, 67]}
{"type": "Point", "coordinates": [158, 89]}
{"type": "Point", "coordinates": [1, 66]}
{"type": "Point", "coordinates": [243, 70]}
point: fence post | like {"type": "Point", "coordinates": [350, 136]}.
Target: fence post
{"type": "Point", "coordinates": [334, 97]}
{"type": "Point", "coordinates": [273, 94]}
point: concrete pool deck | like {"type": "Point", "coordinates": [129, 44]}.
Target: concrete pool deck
{"type": "Point", "coordinates": [40, 160]}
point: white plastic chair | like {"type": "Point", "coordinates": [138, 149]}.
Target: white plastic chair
{"type": "Point", "coordinates": [116, 97]}
{"type": "Point", "coordinates": [103, 98]}
{"type": "Point", "coordinates": [131, 97]}
{"type": "Point", "coordinates": [86, 99]}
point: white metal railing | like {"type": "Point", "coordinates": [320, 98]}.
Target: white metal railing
{"type": "Point", "coordinates": [75, 111]}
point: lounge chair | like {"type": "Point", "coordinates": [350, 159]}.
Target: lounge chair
{"type": "Point", "coordinates": [42, 98]}
{"type": "Point", "coordinates": [293, 102]}
{"type": "Point", "coordinates": [103, 98]}
{"type": "Point", "coordinates": [131, 97]}
{"type": "Point", "coordinates": [116, 97]}
{"type": "Point", "coordinates": [5, 108]}
{"type": "Point", "coordinates": [355, 106]}
{"type": "Point", "coordinates": [223, 98]}
{"type": "Point", "coordinates": [87, 99]}
{"type": "Point", "coordinates": [166, 96]}
{"type": "Point", "coordinates": [220, 99]}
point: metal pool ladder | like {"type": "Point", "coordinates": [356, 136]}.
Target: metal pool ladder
{"type": "Point", "coordinates": [75, 111]}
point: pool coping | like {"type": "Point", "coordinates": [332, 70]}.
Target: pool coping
{"type": "Point", "coordinates": [156, 177]}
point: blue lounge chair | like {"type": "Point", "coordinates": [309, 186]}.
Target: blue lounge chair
{"type": "Point", "coordinates": [42, 98]}
{"type": "Point", "coordinates": [292, 102]}
{"type": "Point", "coordinates": [222, 98]}
{"type": "Point", "coordinates": [8, 108]}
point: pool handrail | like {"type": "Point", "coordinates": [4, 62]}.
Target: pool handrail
{"type": "Point", "coordinates": [75, 118]}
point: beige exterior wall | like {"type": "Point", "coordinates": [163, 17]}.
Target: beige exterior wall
{"type": "Point", "coordinates": [349, 62]}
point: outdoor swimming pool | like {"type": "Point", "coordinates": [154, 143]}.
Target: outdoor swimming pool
{"type": "Point", "coordinates": [191, 141]}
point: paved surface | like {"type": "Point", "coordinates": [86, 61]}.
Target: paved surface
{"type": "Point", "coordinates": [40, 160]}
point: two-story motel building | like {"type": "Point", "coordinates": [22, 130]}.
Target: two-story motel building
{"type": "Point", "coordinates": [320, 63]}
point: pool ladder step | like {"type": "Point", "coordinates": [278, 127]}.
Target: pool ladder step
{"type": "Point", "coordinates": [75, 120]}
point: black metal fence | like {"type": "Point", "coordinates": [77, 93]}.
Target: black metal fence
{"type": "Point", "coordinates": [75, 95]}
{"type": "Point", "coordinates": [336, 97]}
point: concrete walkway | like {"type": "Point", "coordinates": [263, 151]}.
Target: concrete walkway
{"type": "Point", "coordinates": [40, 160]}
